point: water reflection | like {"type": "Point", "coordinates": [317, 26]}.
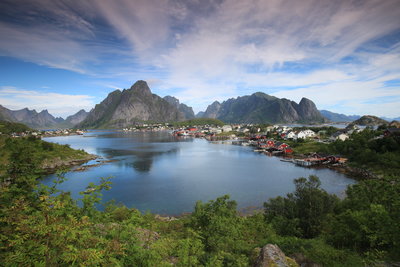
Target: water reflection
{"type": "Point", "coordinates": [159, 173]}
{"type": "Point", "coordinates": [140, 158]}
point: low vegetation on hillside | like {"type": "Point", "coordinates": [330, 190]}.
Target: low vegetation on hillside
{"type": "Point", "coordinates": [7, 128]}
{"type": "Point", "coordinates": [198, 122]}
{"type": "Point", "coordinates": [31, 150]}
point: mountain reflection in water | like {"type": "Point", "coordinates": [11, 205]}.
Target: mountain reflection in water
{"type": "Point", "coordinates": [154, 171]}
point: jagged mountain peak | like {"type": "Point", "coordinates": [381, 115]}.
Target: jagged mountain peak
{"type": "Point", "coordinates": [172, 100]}
{"type": "Point", "coordinates": [263, 108]}
{"type": "Point", "coordinates": [141, 87]}
{"type": "Point", "coordinates": [184, 109]}
{"type": "Point", "coordinates": [126, 108]}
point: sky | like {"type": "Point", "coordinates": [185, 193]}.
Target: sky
{"type": "Point", "coordinates": [64, 55]}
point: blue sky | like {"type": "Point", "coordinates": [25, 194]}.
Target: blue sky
{"type": "Point", "coordinates": [67, 55]}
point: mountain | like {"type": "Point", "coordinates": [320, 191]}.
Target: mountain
{"type": "Point", "coordinates": [263, 108]}
{"type": "Point", "coordinates": [77, 117]}
{"type": "Point", "coordinates": [29, 117]}
{"type": "Point", "coordinates": [41, 120]}
{"type": "Point", "coordinates": [130, 106]}
{"type": "Point", "coordinates": [187, 111]}
{"type": "Point", "coordinates": [212, 110]}
{"type": "Point", "coordinates": [369, 120]}
{"type": "Point", "coordinates": [337, 117]}
{"type": "Point", "coordinates": [200, 114]}
{"type": "Point", "coordinates": [5, 114]}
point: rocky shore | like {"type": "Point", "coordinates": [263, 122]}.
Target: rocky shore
{"type": "Point", "coordinates": [53, 165]}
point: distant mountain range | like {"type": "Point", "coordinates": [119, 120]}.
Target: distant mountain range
{"type": "Point", "coordinates": [337, 117]}
{"type": "Point", "coordinates": [41, 120]}
{"type": "Point", "coordinates": [138, 104]}
{"type": "Point", "coordinates": [263, 108]}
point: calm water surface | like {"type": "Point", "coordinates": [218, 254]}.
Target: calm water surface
{"type": "Point", "coordinates": [160, 173]}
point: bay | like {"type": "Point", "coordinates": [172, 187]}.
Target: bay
{"type": "Point", "coordinates": [156, 172]}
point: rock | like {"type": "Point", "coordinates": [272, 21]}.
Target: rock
{"type": "Point", "coordinates": [165, 218]}
{"type": "Point", "coordinates": [272, 256]}
{"type": "Point", "coordinates": [146, 237]}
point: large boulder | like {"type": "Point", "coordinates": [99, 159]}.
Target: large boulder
{"type": "Point", "coordinates": [272, 256]}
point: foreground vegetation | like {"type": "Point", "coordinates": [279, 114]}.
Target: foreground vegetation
{"type": "Point", "coordinates": [42, 226]}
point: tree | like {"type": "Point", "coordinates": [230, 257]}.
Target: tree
{"type": "Point", "coordinates": [303, 212]}
{"type": "Point", "coordinates": [369, 218]}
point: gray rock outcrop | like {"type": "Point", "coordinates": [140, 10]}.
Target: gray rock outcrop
{"type": "Point", "coordinates": [272, 256]}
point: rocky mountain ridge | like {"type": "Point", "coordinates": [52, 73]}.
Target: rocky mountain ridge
{"type": "Point", "coordinates": [40, 120]}
{"type": "Point", "coordinates": [186, 110]}
{"type": "Point", "coordinates": [130, 106]}
{"type": "Point", "coordinates": [262, 108]}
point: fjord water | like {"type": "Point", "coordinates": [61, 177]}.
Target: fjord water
{"type": "Point", "coordinates": [156, 172]}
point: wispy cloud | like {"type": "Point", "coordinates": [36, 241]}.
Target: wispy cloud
{"type": "Point", "coordinates": [202, 51]}
{"type": "Point", "coordinates": [57, 104]}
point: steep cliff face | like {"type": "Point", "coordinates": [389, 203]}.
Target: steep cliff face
{"type": "Point", "coordinates": [186, 110]}
{"type": "Point", "coordinates": [308, 111]}
{"type": "Point", "coordinates": [212, 110]}
{"type": "Point", "coordinates": [77, 117]}
{"type": "Point", "coordinates": [130, 106]}
{"type": "Point", "coordinates": [263, 108]}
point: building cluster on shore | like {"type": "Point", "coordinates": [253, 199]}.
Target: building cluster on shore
{"type": "Point", "coordinates": [48, 133]}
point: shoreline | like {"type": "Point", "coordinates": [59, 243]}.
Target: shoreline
{"type": "Point", "coordinates": [352, 172]}
{"type": "Point", "coordinates": [54, 166]}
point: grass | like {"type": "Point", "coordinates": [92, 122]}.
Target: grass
{"type": "Point", "coordinates": [306, 146]}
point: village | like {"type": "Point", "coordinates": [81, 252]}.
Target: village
{"type": "Point", "coordinates": [47, 133]}
{"type": "Point", "coordinates": [274, 140]}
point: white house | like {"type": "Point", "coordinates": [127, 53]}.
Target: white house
{"type": "Point", "coordinates": [291, 135]}
{"type": "Point", "coordinates": [306, 134]}
{"type": "Point", "coordinates": [342, 136]}
{"type": "Point", "coordinates": [339, 136]}
{"type": "Point", "coordinates": [227, 128]}
{"type": "Point", "coordinates": [215, 130]}
{"type": "Point", "coordinates": [270, 128]}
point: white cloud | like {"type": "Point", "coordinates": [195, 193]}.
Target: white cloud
{"type": "Point", "coordinates": [57, 104]}
{"type": "Point", "coordinates": [211, 50]}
